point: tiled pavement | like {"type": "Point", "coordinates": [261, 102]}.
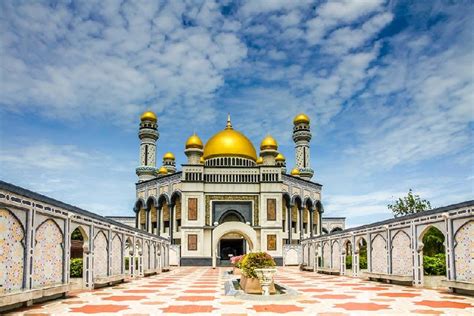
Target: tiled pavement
{"type": "Point", "coordinates": [200, 291]}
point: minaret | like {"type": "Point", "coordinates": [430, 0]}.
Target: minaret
{"type": "Point", "coordinates": [301, 137]}
{"type": "Point", "coordinates": [169, 162]}
{"type": "Point", "coordinates": [148, 134]}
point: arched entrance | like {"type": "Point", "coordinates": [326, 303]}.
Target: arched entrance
{"type": "Point", "coordinates": [228, 237]}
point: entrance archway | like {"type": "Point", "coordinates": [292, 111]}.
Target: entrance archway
{"type": "Point", "coordinates": [233, 229]}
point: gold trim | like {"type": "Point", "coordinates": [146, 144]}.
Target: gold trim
{"type": "Point", "coordinates": [253, 198]}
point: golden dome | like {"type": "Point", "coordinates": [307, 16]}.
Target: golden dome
{"type": "Point", "coordinates": [201, 160]}
{"type": "Point", "coordinates": [259, 160]}
{"type": "Point", "coordinates": [269, 143]}
{"type": "Point", "coordinates": [280, 157]}
{"type": "Point", "coordinates": [163, 171]}
{"type": "Point", "coordinates": [148, 116]}
{"type": "Point", "coordinates": [194, 142]}
{"type": "Point", "coordinates": [295, 172]}
{"type": "Point", "coordinates": [168, 155]}
{"type": "Point", "coordinates": [301, 118]}
{"type": "Point", "coordinates": [229, 142]}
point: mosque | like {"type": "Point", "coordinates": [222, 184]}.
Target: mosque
{"type": "Point", "coordinates": [227, 199]}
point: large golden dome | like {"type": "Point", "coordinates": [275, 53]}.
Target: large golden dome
{"type": "Point", "coordinates": [148, 116]}
{"type": "Point", "coordinates": [301, 118]}
{"type": "Point", "coordinates": [229, 142]}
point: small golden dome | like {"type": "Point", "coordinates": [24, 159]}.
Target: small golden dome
{"type": "Point", "coordinates": [295, 172]}
{"type": "Point", "coordinates": [280, 157]}
{"type": "Point", "coordinates": [301, 118]}
{"type": "Point", "coordinates": [269, 143]}
{"type": "Point", "coordinates": [259, 160]}
{"type": "Point", "coordinates": [194, 142]}
{"type": "Point", "coordinates": [162, 170]}
{"type": "Point", "coordinates": [201, 160]}
{"type": "Point", "coordinates": [168, 155]}
{"type": "Point", "coordinates": [229, 142]}
{"type": "Point", "coordinates": [148, 116]}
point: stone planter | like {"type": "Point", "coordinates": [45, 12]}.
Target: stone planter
{"type": "Point", "coordinates": [236, 271]}
{"type": "Point", "coordinates": [252, 286]}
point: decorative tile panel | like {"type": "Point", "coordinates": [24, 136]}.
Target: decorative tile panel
{"type": "Point", "coordinates": [326, 255]}
{"type": "Point", "coordinates": [116, 255]}
{"type": "Point", "coordinates": [401, 254]}
{"type": "Point", "coordinates": [48, 259]}
{"type": "Point", "coordinates": [271, 209]}
{"type": "Point", "coordinates": [336, 256]}
{"type": "Point", "coordinates": [464, 253]}
{"type": "Point", "coordinates": [379, 255]}
{"type": "Point", "coordinates": [100, 255]}
{"type": "Point", "coordinates": [12, 252]}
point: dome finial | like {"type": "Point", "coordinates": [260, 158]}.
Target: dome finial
{"type": "Point", "coordinates": [229, 124]}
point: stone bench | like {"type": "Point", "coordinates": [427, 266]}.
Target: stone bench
{"type": "Point", "coordinates": [328, 271]}
{"type": "Point", "coordinates": [28, 297]}
{"type": "Point", "coordinates": [108, 280]}
{"type": "Point", "coordinates": [306, 268]}
{"type": "Point", "coordinates": [389, 278]}
{"type": "Point", "coordinates": [459, 286]}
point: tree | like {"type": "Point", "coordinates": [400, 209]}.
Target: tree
{"type": "Point", "coordinates": [410, 204]}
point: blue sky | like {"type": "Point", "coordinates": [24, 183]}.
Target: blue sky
{"type": "Point", "coordinates": [389, 87]}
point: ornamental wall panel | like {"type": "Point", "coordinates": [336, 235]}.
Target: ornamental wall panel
{"type": "Point", "coordinates": [12, 252]}
{"type": "Point", "coordinates": [192, 242]}
{"type": "Point", "coordinates": [379, 255]}
{"type": "Point", "coordinates": [100, 255]}
{"type": "Point", "coordinates": [271, 242]}
{"type": "Point", "coordinates": [116, 255]}
{"type": "Point", "coordinates": [464, 252]}
{"type": "Point", "coordinates": [48, 259]}
{"type": "Point", "coordinates": [192, 209]}
{"type": "Point", "coordinates": [401, 254]}
{"type": "Point", "coordinates": [271, 209]}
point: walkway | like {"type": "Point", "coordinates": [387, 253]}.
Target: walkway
{"type": "Point", "coordinates": [200, 291]}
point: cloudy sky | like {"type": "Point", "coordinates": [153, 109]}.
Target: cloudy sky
{"type": "Point", "coordinates": [389, 87]}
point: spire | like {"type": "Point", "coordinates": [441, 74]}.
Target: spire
{"type": "Point", "coordinates": [229, 124]}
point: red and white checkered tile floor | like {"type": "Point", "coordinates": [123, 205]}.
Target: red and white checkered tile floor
{"type": "Point", "coordinates": [200, 291]}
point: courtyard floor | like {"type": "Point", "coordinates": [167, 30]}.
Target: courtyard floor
{"type": "Point", "coordinates": [199, 291]}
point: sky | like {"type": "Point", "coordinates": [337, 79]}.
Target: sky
{"type": "Point", "coordinates": [388, 85]}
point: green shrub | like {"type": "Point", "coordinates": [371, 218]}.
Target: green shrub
{"type": "Point", "coordinates": [363, 262]}
{"type": "Point", "coordinates": [255, 260]}
{"type": "Point", "coordinates": [76, 268]}
{"type": "Point", "coordinates": [435, 265]}
{"type": "Point", "coordinates": [348, 262]}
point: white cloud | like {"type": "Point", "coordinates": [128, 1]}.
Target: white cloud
{"type": "Point", "coordinates": [104, 56]}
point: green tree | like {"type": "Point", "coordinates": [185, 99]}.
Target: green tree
{"type": "Point", "coordinates": [410, 204]}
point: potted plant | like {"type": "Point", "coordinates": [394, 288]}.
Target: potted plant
{"type": "Point", "coordinates": [249, 280]}
{"type": "Point", "coordinates": [236, 262]}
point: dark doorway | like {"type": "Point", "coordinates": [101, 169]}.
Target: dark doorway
{"type": "Point", "coordinates": [234, 247]}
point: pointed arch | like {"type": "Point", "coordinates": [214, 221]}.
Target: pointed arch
{"type": "Point", "coordinates": [117, 254]}
{"type": "Point", "coordinates": [402, 263]}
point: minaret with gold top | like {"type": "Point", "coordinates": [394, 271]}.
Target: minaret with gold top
{"type": "Point", "coordinates": [302, 137]}
{"type": "Point", "coordinates": [148, 134]}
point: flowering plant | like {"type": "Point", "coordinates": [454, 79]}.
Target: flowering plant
{"type": "Point", "coordinates": [236, 260]}
{"type": "Point", "coordinates": [255, 260]}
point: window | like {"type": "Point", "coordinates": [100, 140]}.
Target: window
{"type": "Point", "coordinates": [271, 209]}
{"type": "Point", "coordinates": [192, 242]}
{"type": "Point", "coordinates": [192, 209]}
